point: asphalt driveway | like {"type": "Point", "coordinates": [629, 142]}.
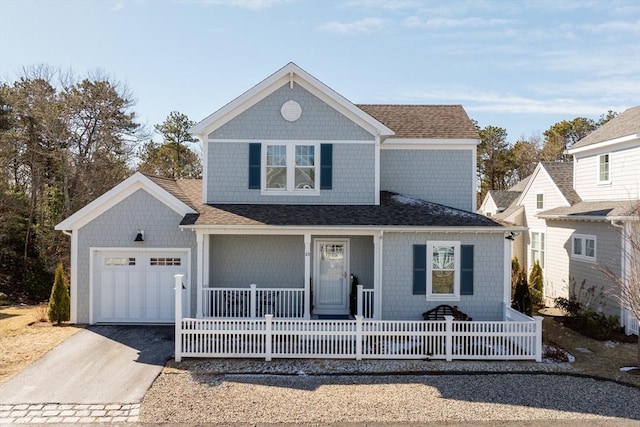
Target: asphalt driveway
{"type": "Point", "coordinates": [99, 364]}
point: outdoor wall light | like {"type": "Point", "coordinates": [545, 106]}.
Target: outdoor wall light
{"type": "Point", "coordinates": [139, 236]}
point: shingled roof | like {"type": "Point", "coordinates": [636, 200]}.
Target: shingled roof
{"type": "Point", "coordinates": [627, 123]}
{"type": "Point", "coordinates": [562, 176]}
{"type": "Point", "coordinates": [394, 210]}
{"type": "Point", "coordinates": [424, 121]}
{"type": "Point", "coordinates": [503, 198]}
{"type": "Point", "coordinates": [603, 210]}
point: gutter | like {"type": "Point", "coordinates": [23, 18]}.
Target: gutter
{"type": "Point", "coordinates": [389, 229]}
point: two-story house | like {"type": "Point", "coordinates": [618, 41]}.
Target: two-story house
{"type": "Point", "coordinates": [596, 230]}
{"type": "Point", "coordinates": [581, 215]}
{"type": "Point", "coordinates": [301, 190]}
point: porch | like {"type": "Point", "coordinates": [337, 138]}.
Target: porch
{"type": "Point", "coordinates": [286, 274]}
{"type": "Point", "coordinates": [516, 337]}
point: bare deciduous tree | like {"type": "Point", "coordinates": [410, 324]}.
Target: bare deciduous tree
{"type": "Point", "coordinates": [628, 281]}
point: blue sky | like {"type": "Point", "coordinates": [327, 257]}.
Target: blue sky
{"type": "Point", "coordinates": [521, 65]}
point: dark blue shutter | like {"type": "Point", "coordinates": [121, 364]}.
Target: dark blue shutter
{"type": "Point", "coordinates": [255, 159]}
{"type": "Point", "coordinates": [326, 166]}
{"type": "Point", "coordinates": [466, 270]}
{"type": "Point", "coordinates": [419, 269]}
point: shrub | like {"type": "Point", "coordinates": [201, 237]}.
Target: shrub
{"type": "Point", "coordinates": [515, 270]}
{"type": "Point", "coordinates": [522, 298]}
{"type": "Point", "coordinates": [4, 299]}
{"type": "Point", "coordinates": [581, 316]}
{"type": "Point", "coordinates": [536, 281]}
{"type": "Point", "coordinates": [59, 303]}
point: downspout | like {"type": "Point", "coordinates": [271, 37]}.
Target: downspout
{"type": "Point", "coordinates": [623, 265]}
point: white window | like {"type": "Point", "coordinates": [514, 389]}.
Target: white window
{"type": "Point", "coordinates": [537, 248]}
{"type": "Point", "coordinates": [164, 261]}
{"type": "Point", "coordinates": [540, 201]}
{"type": "Point", "coordinates": [604, 176]}
{"type": "Point", "coordinates": [119, 261]}
{"type": "Point", "coordinates": [443, 271]}
{"type": "Point", "coordinates": [583, 247]}
{"type": "Point", "coordinates": [290, 169]}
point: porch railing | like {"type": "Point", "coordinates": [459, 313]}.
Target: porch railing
{"type": "Point", "coordinates": [253, 302]}
{"type": "Point", "coordinates": [365, 302]}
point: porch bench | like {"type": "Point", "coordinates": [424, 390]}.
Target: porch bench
{"type": "Point", "coordinates": [442, 310]}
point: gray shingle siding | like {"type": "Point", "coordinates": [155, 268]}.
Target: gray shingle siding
{"type": "Point", "coordinates": [318, 121]}
{"type": "Point", "coordinates": [238, 261]}
{"type": "Point", "coordinates": [353, 176]}
{"type": "Point", "coordinates": [116, 228]}
{"type": "Point", "coordinates": [276, 261]}
{"type": "Point", "coordinates": [398, 301]}
{"type": "Point", "coordinates": [439, 176]}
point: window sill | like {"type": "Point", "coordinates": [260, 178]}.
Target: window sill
{"type": "Point", "coordinates": [290, 193]}
{"type": "Point", "coordinates": [447, 297]}
{"type": "Point", "coordinates": [603, 183]}
{"type": "Point", "coordinates": [583, 259]}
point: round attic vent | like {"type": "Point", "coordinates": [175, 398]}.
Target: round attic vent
{"type": "Point", "coordinates": [291, 111]}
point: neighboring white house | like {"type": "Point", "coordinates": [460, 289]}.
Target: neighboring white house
{"type": "Point", "coordinates": [579, 213]}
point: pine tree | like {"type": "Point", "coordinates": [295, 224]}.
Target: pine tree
{"type": "Point", "coordinates": [59, 303]}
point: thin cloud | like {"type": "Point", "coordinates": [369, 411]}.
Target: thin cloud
{"type": "Point", "coordinates": [247, 4]}
{"type": "Point", "coordinates": [366, 25]}
{"type": "Point", "coordinates": [448, 23]}
{"type": "Point", "coordinates": [117, 6]}
{"type": "Point", "coordinates": [510, 103]}
{"type": "Point", "coordinates": [383, 4]}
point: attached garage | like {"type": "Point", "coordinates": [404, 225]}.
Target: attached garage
{"type": "Point", "coordinates": [137, 285]}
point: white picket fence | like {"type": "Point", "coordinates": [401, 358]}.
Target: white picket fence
{"type": "Point", "coordinates": [519, 337]}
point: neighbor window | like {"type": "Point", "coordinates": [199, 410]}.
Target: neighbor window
{"type": "Point", "coordinates": [603, 169]}
{"type": "Point", "coordinates": [537, 248]}
{"type": "Point", "coordinates": [583, 247]}
{"type": "Point", "coordinates": [290, 168]}
{"type": "Point", "coordinates": [443, 270]}
{"type": "Point", "coordinates": [539, 201]}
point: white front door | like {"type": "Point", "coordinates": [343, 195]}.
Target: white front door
{"type": "Point", "coordinates": [331, 272]}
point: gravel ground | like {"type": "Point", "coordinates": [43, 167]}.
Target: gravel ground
{"type": "Point", "coordinates": [300, 392]}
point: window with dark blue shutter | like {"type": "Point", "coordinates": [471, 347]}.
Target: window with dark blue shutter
{"type": "Point", "coordinates": [326, 166]}
{"type": "Point", "coordinates": [419, 269]}
{"type": "Point", "coordinates": [255, 157]}
{"type": "Point", "coordinates": [466, 270]}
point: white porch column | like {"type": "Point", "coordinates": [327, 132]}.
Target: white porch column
{"type": "Point", "coordinates": [377, 275]}
{"type": "Point", "coordinates": [507, 271]}
{"type": "Point", "coordinates": [199, 272]}
{"type": "Point", "coordinates": [376, 170]}
{"type": "Point", "coordinates": [307, 276]}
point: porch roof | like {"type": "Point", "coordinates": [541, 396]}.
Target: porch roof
{"type": "Point", "coordinates": [394, 210]}
{"type": "Point", "coordinates": [596, 210]}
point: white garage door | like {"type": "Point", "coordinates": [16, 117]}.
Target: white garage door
{"type": "Point", "coordinates": [134, 286]}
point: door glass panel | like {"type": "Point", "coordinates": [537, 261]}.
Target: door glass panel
{"type": "Point", "coordinates": [331, 291]}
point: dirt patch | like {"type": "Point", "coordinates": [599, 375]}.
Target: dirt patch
{"type": "Point", "coordinates": [592, 357]}
{"type": "Point", "coordinates": [24, 338]}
